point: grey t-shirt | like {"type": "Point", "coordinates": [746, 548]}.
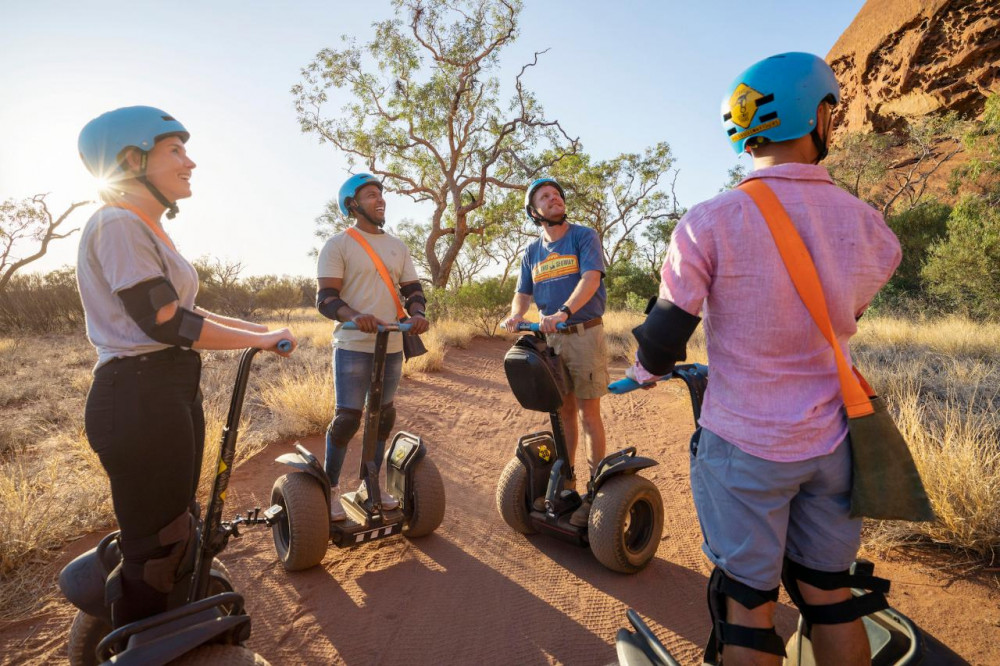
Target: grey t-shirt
{"type": "Point", "coordinates": [118, 251]}
{"type": "Point", "coordinates": [364, 290]}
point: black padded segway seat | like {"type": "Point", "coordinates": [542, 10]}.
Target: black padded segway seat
{"type": "Point", "coordinates": [536, 374]}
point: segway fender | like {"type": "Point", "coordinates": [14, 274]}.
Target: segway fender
{"type": "Point", "coordinates": [160, 639]}
{"type": "Point", "coordinates": [624, 465]}
{"type": "Point", "coordinates": [304, 461]}
{"type": "Point", "coordinates": [82, 580]}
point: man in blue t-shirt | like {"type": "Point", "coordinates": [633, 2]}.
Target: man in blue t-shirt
{"type": "Point", "coordinates": [564, 271]}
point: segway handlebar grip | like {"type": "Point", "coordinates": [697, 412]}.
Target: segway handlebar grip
{"type": "Point", "coordinates": [533, 326]}
{"type": "Point", "coordinates": [284, 345]}
{"type": "Point", "coordinates": [624, 385]}
{"type": "Point", "coordinates": [401, 327]}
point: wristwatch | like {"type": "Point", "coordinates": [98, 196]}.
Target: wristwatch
{"type": "Point", "coordinates": [565, 308]}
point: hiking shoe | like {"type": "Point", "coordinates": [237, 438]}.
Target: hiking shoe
{"type": "Point", "coordinates": [581, 515]}
{"type": "Point", "coordinates": [337, 512]}
{"type": "Point", "coordinates": [388, 501]}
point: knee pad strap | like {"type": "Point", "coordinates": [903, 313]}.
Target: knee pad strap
{"type": "Point", "coordinates": [845, 611]}
{"type": "Point", "coordinates": [721, 586]}
{"type": "Point", "coordinates": [159, 565]}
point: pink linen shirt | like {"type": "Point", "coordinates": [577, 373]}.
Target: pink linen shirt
{"type": "Point", "coordinates": [773, 389]}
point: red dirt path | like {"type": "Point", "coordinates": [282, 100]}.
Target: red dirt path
{"type": "Point", "coordinates": [475, 592]}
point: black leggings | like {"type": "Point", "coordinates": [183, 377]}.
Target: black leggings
{"type": "Point", "coordinates": [144, 420]}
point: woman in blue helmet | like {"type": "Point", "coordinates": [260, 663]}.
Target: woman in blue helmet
{"type": "Point", "coordinates": [144, 414]}
{"type": "Point", "coordinates": [771, 461]}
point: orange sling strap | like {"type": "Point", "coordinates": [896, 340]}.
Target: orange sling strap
{"type": "Point", "coordinates": [802, 270]}
{"type": "Point", "coordinates": [382, 270]}
{"type": "Point", "coordinates": [155, 228]}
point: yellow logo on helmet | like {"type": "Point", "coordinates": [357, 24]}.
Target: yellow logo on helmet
{"type": "Point", "coordinates": [743, 105]}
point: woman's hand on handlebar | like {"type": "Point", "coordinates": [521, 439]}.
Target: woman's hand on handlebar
{"type": "Point", "coordinates": [368, 323]}
{"type": "Point", "coordinates": [641, 376]}
{"type": "Point", "coordinates": [272, 338]}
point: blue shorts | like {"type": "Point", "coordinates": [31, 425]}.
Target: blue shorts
{"type": "Point", "coordinates": [753, 512]}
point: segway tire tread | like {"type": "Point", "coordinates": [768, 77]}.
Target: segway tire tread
{"type": "Point", "coordinates": [85, 634]}
{"type": "Point", "coordinates": [606, 529]}
{"type": "Point", "coordinates": [512, 497]}
{"type": "Point", "coordinates": [306, 518]}
{"type": "Point", "coordinates": [429, 500]}
{"type": "Point", "coordinates": [221, 655]}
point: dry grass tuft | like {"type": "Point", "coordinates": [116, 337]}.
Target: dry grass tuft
{"type": "Point", "coordinates": [301, 400]}
{"type": "Point", "coordinates": [941, 379]}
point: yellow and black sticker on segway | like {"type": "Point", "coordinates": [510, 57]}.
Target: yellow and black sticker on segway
{"type": "Point", "coordinates": [544, 453]}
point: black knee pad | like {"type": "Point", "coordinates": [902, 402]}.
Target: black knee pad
{"type": "Point", "coordinates": [872, 601]}
{"type": "Point", "coordinates": [721, 586]}
{"type": "Point", "coordinates": [158, 560]}
{"type": "Point", "coordinates": [387, 419]}
{"type": "Point", "coordinates": [345, 424]}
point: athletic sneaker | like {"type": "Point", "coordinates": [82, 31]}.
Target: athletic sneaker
{"type": "Point", "coordinates": [581, 515]}
{"type": "Point", "coordinates": [388, 501]}
{"type": "Point", "coordinates": [337, 512]}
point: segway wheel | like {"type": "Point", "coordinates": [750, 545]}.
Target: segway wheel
{"type": "Point", "coordinates": [626, 521]}
{"type": "Point", "coordinates": [221, 655]}
{"type": "Point", "coordinates": [428, 500]}
{"type": "Point", "coordinates": [84, 636]}
{"type": "Point", "coordinates": [512, 497]}
{"type": "Point", "coordinates": [302, 532]}
{"type": "Point", "coordinates": [221, 581]}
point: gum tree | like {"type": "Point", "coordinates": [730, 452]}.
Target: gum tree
{"type": "Point", "coordinates": [425, 113]}
{"type": "Point", "coordinates": [26, 229]}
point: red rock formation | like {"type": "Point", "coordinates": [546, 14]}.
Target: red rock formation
{"type": "Point", "coordinates": [903, 59]}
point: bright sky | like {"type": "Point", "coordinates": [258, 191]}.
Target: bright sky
{"type": "Point", "coordinates": [620, 75]}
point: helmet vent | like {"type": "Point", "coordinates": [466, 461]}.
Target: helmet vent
{"type": "Point", "coordinates": [169, 118]}
{"type": "Point", "coordinates": [768, 116]}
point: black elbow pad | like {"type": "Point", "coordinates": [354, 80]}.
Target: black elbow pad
{"type": "Point", "coordinates": [328, 302]}
{"type": "Point", "coordinates": [413, 293]}
{"type": "Point", "coordinates": [663, 337]}
{"type": "Point", "coordinates": [145, 299]}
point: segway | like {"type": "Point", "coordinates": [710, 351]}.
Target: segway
{"type": "Point", "coordinates": [300, 500]}
{"type": "Point", "coordinates": [206, 621]}
{"type": "Point", "coordinates": [626, 516]}
{"type": "Point", "coordinates": [895, 640]}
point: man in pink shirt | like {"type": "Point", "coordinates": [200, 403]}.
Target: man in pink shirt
{"type": "Point", "coordinates": [771, 463]}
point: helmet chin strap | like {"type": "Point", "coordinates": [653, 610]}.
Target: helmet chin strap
{"type": "Point", "coordinates": [171, 206]}
{"type": "Point", "coordinates": [539, 220]}
{"type": "Point", "coordinates": [361, 211]}
{"type": "Point", "coordinates": [821, 147]}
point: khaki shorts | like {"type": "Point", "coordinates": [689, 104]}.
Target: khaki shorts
{"type": "Point", "coordinates": [586, 358]}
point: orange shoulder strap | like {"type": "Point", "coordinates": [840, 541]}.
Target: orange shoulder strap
{"type": "Point", "coordinates": [802, 270]}
{"type": "Point", "coordinates": [380, 267]}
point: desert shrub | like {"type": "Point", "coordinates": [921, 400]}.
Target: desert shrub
{"type": "Point", "coordinates": [629, 287]}
{"type": "Point", "coordinates": [48, 303]}
{"type": "Point", "coordinates": [483, 303]}
{"type": "Point", "coordinates": [918, 229]}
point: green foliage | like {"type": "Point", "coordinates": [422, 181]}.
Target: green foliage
{"type": "Point", "coordinates": [423, 110]}
{"type": "Point", "coordinates": [629, 287]}
{"type": "Point", "coordinates": [34, 303]}
{"type": "Point", "coordinates": [980, 174]}
{"type": "Point", "coordinates": [734, 176]}
{"type": "Point", "coordinates": [917, 229]}
{"type": "Point", "coordinates": [964, 268]}
{"type": "Point", "coordinates": [482, 302]}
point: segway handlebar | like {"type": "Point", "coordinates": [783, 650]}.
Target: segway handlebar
{"type": "Point", "coordinates": [534, 326]}
{"type": "Point", "coordinates": [401, 327]}
{"type": "Point", "coordinates": [627, 385]}
{"type": "Point", "coordinates": [284, 345]}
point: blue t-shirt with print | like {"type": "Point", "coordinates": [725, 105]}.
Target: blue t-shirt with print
{"type": "Point", "coordinates": [551, 271]}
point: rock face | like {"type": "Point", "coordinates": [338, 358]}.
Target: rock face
{"type": "Point", "coordinates": [902, 59]}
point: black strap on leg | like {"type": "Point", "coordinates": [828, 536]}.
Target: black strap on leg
{"type": "Point", "coordinates": [872, 601]}
{"type": "Point", "coordinates": [766, 640]}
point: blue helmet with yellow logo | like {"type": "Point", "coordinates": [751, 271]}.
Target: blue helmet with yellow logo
{"type": "Point", "coordinates": [776, 100]}
{"type": "Point", "coordinates": [528, 208]}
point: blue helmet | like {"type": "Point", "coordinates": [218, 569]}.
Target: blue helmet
{"type": "Point", "coordinates": [350, 188]}
{"type": "Point", "coordinates": [776, 99]}
{"type": "Point", "coordinates": [104, 138]}
{"type": "Point", "coordinates": [528, 208]}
